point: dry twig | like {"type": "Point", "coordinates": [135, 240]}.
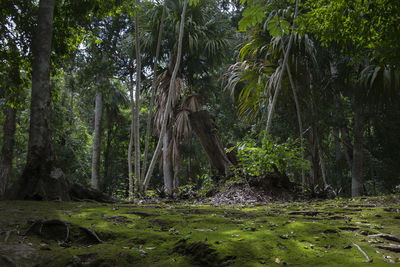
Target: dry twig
{"type": "Point", "coordinates": [368, 259]}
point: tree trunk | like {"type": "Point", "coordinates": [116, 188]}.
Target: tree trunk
{"type": "Point", "coordinates": [94, 182]}
{"type": "Point", "coordinates": [153, 94]}
{"type": "Point", "coordinates": [7, 149]}
{"type": "Point", "coordinates": [40, 179]}
{"type": "Point", "coordinates": [358, 132]}
{"type": "Point", "coordinates": [131, 139]}
{"type": "Point", "coordinates": [167, 164]}
{"type": "Point", "coordinates": [204, 126]}
{"type": "Point", "coordinates": [297, 104]}
{"type": "Point", "coordinates": [169, 99]}
{"type": "Point", "coordinates": [137, 100]}
{"type": "Point", "coordinates": [284, 64]}
{"type": "Point", "coordinates": [314, 171]}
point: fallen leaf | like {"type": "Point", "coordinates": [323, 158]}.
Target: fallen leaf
{"type": "Point", "coordinates": [277, 260]}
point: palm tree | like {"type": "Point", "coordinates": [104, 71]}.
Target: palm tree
{"type": "Point", "coordinates": [206, 36]}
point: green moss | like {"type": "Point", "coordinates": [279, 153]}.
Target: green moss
{"type": "Point", "coordinates": [299, 234]}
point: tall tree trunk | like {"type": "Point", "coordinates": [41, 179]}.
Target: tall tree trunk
{"type": "Point", "coordinates": [107, 150]}
{"type": "Point", "coordinates": [169, 99]}
{"type": "Point", "coordinates": [98, 114]}
{"type": "Point", "coordinates": [153, 94]}
{"type": "Point", "coordinates": [40, 179]}
{"type": "Point", "coordinates": [7, 149]}
{"type": "Point", "coordinates": [297, 104]}
{"type": "Point", "coordinates": [137, 100]}
{"type": "Point", "coordinates": [358, 132]}
{"type": "Point", "coordinates": [167, 164]}
{"type": "Point", "coordinates": [284, 64]}
{"type": "Point", "coordinates": [347, 147]}
{"type": "Point", "coordinates": [131, 137]}
{"type": "Point", "coordinates": [314, 171]}
{"type": "Point", "coordinates": [204, 126]}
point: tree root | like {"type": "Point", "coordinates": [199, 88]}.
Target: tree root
{"type": "Point", "coordinates": [387, 237]}
{"type": "Point", "coordinates": [394, 248]}
{"type": "Point", "coordinates": [50, 229]}
{"type": "Point", "coordinates": [63, 231]}
{"type": "Point", "coordinates": [367, 259]}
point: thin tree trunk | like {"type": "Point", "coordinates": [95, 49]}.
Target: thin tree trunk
{"type": "Point", "coordinates": [153, 94]}
{"type": "Point", "coordinates": [94, 182]}
{"type": "Point", "coordinates": [348, 148]}
{"type": "Point", "coordinates": [296, 101]}
{"type": "Point", "coordinates": [284, 64]}
{"type": "Point", "coordinates": [322, 162]}
{"type": "Point", "coordinates": [7, 149]}
{"type": "Point", "coordinates": [170, 93]}
{"type": "Point", "coordinates": [358, 132]}
{"type": "Point", "coordinates": [166, 165]}
{"type": "Point", "coordinates": [131, 139]}
{"type": "Point", "coordinates": [107, 163]}
{"type": "Point", "coordinates": [137, 100]}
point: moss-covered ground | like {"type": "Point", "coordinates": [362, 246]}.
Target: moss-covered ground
{"type": "Point", "coordinates": [315, 233]}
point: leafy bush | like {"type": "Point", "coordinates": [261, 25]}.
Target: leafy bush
{"type": "Point", "coordinates": [259, 159]}
{"type": "Point", "coordinates": [186, 192]}
{"type": "Point", "coordinates": [207, 185]}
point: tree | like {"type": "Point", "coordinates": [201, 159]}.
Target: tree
{"type": "Point", "coordinates": [40, 178]}
{"type": "Point", "coordinates": [169, 99]}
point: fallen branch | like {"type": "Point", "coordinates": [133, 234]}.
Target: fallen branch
{"type": "Point", "coordinates": [387, 237]}
{"type": "Point", "coordinates": [91, 234]}
{"type": "Point", "coordinates": [394, 248]}
{"type": "Point", "coordinates": [368, 259]}
{"type": "Point", "coordinates": [7, 234]}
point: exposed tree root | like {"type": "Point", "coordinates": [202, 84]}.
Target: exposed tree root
{"type": "Point", "coordinates": [51, 229]}
{"type": "Point", "coordinates": [387, 237]}
{"type": "Point", "coordinates": [63, 231]}
{"type": "Point", "coordinates": [394, 248]}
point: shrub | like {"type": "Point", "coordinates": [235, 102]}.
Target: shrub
{"type": "Point", "coordinates": [259, 159]}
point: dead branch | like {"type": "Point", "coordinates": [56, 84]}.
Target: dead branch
{"type": "Point", "coordinates": [368, 259]}
{"type": "Point", "coordinates": [7, 234]}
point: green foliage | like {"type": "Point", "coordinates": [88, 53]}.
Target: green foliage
{"type": "Point", "coordinates": [121, 192]}
{"type": "Point", "coordinates": [186, 192]}
{"type": "Point", "coordinates": [253, 13]}
{"type": "Point", "coordinates": [260, 159]}
{"type": "Point", "coordinates": [362, 28]}
{"type": "Point", "coordinates": [207, 185]}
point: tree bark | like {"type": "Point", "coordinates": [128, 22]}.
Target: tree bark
{"type": "Point", "coordinates": [40, 179]}
{"type": "Point", "coordinates": [204, 126]}
{"type": "Point", "coordinates": [169, 99]}
{"type": "Point", "coordinates": [7, 149]}
{"type": "Point", "coordinates": [98, 114]}
{"type": "Point", "coordinates": [167, 164]}
{"type": "Point", "coordinates": [357, 164]}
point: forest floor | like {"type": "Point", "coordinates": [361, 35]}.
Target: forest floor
{"type": "Point", "coordinates": [343, 232]}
